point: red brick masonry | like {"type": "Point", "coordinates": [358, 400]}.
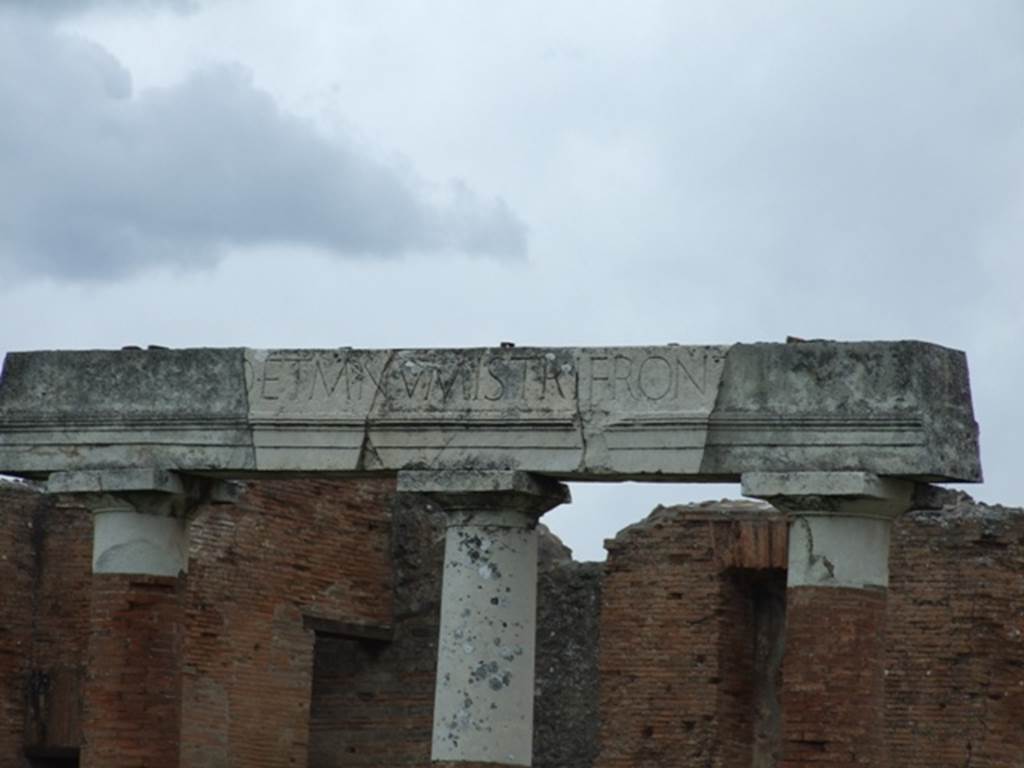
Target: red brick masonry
{"type": "Point", "coordinates": [287, 551]}
{"type": "Point", "coordinates": [689, 620]}
{"type": "Point", "coordinates": [678, 648]}
{"type": "Point", "coordinates": [955, 639]}
{"type": "Point", "coordinates": [833, 694]}
{"type": "Point", "coordinates": [132, 706]}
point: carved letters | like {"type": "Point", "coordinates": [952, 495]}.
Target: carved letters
{"type": "Point", "coordinates": [352, 382]}
{"type": "Point", "coordinates": [682, 374]}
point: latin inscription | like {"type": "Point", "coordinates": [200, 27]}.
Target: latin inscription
{"type": "Point", "coordinates": [661, 378]}
{"type": "Point", "coordinates": [650, 377]}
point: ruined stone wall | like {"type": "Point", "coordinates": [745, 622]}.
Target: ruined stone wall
{"type": "Point", "coordinates": [566, 715]}
{"type": "Point", "coordinates": [287, 551]}
{"type": "Point", "coordinates": [293, 653]}
{"type": "Point", "coordinates": [955, 661]}
{"type": "Point", "coordinates": [240, 672]}
{"type": "Point", "coordinates": [679, 645]}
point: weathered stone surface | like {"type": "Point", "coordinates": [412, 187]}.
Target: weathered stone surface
{"type": "Point", "coordinates": [670, 413]}
{"type": "Point", "coordinates": [130, 408]}
{"type": "Point", "coordinates": [839, 485]}
{"type": "Point", "coordinates": [115, 481]}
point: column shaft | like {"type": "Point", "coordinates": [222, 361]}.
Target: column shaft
{"type": "Point", "coordinates": [483, 702]}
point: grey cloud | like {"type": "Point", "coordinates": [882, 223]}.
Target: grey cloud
{"type": "Point", "coordinates": [77, 7]}
{"type": "Point", "coordinates": [99, 181]}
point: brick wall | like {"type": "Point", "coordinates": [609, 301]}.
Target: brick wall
{"type": "Point", "coordinates": [955, 661]}
{"type": "Point", "coordinates": [686, 613]}
{"type": "Point", "coordinates": [372, 702]}
{"type": "Point", "coordinates": [678, 640]}
{"type": "Point", "coordinates": [45, 551]}
{"type": "Point", "coordinates": [133, 701]}
{"type": "Point", "coordinates": [832, 693]}
{"type": "Point", "coordinates": [62, 555]}
{"type": "Point", "coordinates": [288, 550]}
{"type": "Point", "coordinates": [17, 505]}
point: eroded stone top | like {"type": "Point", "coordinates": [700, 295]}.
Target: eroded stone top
{"type": "Point", "coordinates": [606, 413]}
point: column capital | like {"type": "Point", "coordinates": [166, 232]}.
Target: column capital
{"type": "Point", "coordinates": [843, 494]}
{"type": "Point", "coordinates": [116, 480]}
{"type": "Point", "coordinates": [486, 496]}
{"type": "Point", "coordinates": [140, 516]}
{"type": "Point", "coordinates": [145, 490]}
{"type": "Point", "coordinates": [839, 523]}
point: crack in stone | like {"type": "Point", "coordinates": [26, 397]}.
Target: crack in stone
{"type": "Point", "coordinates": [719, 394]}
{"type": "Point", "coordinates": [367, 451]}
{"type": "Point", "coordinates": [366, 448]}
{"type": "Point", "coordinates": [440, 451]}
{"type": "Point", "coordinates": [579, 416]}
{"type": "Point", "coordinates": [829, 567]}
{"type": "Point", "coordinates": [813, 559]}
{"type": "Point", "coordinates": [248, 409]}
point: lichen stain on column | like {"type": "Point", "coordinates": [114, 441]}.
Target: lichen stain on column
{"type": "Point", "coordinates": [484, 703]}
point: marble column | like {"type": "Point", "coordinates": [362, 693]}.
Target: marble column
{"type": "Point", "coordinates": [483, 704]}
{"type": "Point", "coordinates": [833, 690]}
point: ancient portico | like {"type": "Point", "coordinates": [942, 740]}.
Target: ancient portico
{"type": "Point", "coordinates": [837, 435]}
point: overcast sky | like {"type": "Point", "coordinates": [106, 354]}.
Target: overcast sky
{"type": "Point", "coordinates": [325, 173]}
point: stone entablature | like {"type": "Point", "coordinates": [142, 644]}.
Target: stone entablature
{"type": "Point", "coordinates": [608, 413]}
